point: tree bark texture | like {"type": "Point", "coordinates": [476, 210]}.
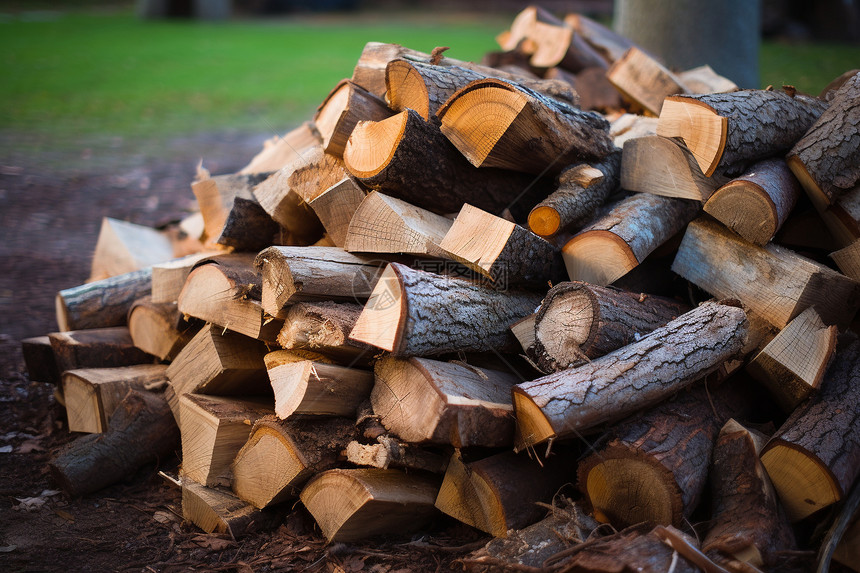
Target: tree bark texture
{"type": "Point", "coordinates": [248, 227]}
{"type": "Point", "coordinates": [102, 303]}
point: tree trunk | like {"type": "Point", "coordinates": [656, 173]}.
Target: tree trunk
{"type": "Point", "coordinates": [102, 303]}
{"type": "Point", "coordinates": [630, 378]}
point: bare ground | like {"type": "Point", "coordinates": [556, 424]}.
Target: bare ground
{"type": "Point", "coordinates": [52, 198]}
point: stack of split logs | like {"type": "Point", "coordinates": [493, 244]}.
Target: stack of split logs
{"type": "Point", "coordinates": [563, 288]}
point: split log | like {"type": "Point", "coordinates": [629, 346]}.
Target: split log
{"type": "Point", "coordinates": [141, 431]}
{"type": "Point", "coordinates": [409, 158]}
{"type": "Point", "coordinates": [169, 278]}
{"type": "Point", "coordinates": [772, 281]}
{"type": "Point", "coordinates": [159, 328]}
{"type": "Point", "coordinates": [825, 159]}
{"type": "Point", "coordinates": [248, 227]}
{"type": "Point", "coordinates": [96, 348]}
{"type": "Point", "coordinates": [280, 151]}
{"type": "Point", "coordinates": [346, 105]}
{"type": "Point", "coordinates": [124, 247]}
{"type": "Point", "coordinates": [644, 81]}
{"type": "Point", "coordinates": [848, 260]}
{"type": "Point", "coordinates": [578, 322]}
{"type": "Point", "coordinates": [748, 523]}
{"type": "Point", "coordinates": [756, 204]}
{"type": "Point", "coordinates": [40, 361]}
{"type": "Point", "coordinates": [335, 207]}
{"type": "Point", "coordinates": [596, 93]}
{"type": "Point", "coordinates": [843, 218]}
{"type": "Point", "coordinates": [391, 452]}
{"type": "Point", "coordinates": [101, 303]}
{"type": "Point", "coordinates": [815, 455]}
{"type": "Point", "coordinates": [226, 290]}
{"type": "Point", "coordinates": [217, 511]}
{"type": "Point", "coordinates": [280, 456]}
{"type": "Point", "coordinates": [630, 378]}
{"type": "Point", "coordinates": [660, 166]}
{"type": "Point", "coordinates": [213, 430]}
{"type": "Point", "coordinates": [704, 80]}
{"type": "Point", "coordinates": [654, 468]}
{"type": "Point", "coordinates": [608, 43]}
{"type": "Point", "coordinates": [218, 362]}
{"type": "Point", "coordinates": [92, 395]}
{"type": "Point", "coordinates": [324, 328]}
{"type": "Point", "coordinates": [631, 126]}
{"type": "Point", "coordinates": [349, 505]}
{"type": "Point", "coordinates": [498, 124]}
{"type": "Point", "coordinates": [384, 224]}
{"type": "Point", "coordinates": [792, 365]}
{"type": "Point", "coordinates": [501, 250]}
{"type": "Point", "coordinates": [500, 492]}
{"type": "Point", "coordinates": [427, 401]}
{"type": "Point", "coordinates": [312, 387]}
{"type": "Point", "coordinates": [297, 274]}
{"type": "Point", "coordinates": [617, 242]}
{"type": "Point", "coordinates": [582, 189]}
{"type": "Point", "coordinates": [215, 196]}
{"type": "Point", "coordinates": [524, 331]}
{"type": "Point", "coordinates": [416, 313]}
{"type": "Point", "coordinates": [733, 129]}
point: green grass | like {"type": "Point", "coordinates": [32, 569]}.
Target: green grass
{"type": "Point", "coordinates": [109, 73]}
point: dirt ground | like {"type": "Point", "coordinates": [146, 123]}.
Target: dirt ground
{"type": "Point", "coordinates": [53, 196]}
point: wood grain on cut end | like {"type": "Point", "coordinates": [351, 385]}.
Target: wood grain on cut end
{"type": "Point", "coordinates": [406, 88]}
{"type": "Point", "coordinates": [266, 468]}
{"type": "Point", "coordinates": [331, 109]}
{"type": "Point", "coordinates": [629, 491]}
{"type": "Point", "coordinates": [533, 426]}
{"type": "Point", "coordinates": [704, 132]}
{"type": "Point", "coordinates": [372, 145]}
{"type": "Point", "coordinates": [598, 257]}
{"type": "Point", "coordinates": [380, 324]}
{"type": "Point", "coordinates": [746, 209]}
{"type": "Point", "coordinates": [544, 221]}
{"type": "Point", "coordinates": [803, 483]}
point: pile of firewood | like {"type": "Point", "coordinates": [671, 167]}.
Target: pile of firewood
{"type": "Point", "coordinates": [475, 289]}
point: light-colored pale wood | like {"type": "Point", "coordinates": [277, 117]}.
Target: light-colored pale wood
{"type": "Point", "coordinates": [612, 477]}
{"type": "Point", "coordinates": [349, 505]}
{"type": "Point", "coordinates": [384, 224]}
{"type": "Point", "coordinates": [644, 81]}
{"type": "Point", "coordinates": [428, 401]}
{"type": "Point", "coordinates": [217, 511]}
{"type": "Point", "coordinates": [123, 247]}
{"type": "Point", "coordinates": [704, 80]}
{"type": "Point", "coordinates": [158, 328]}
{"type": "Point", "coordinates": [169, 278]}
{"type": "Point", "coordinates": [608, 43]}
{"type": "Point", "coordinates": [631, 126]}
{"type": "Point", "coordinates": [309, 387]}
{"type": "Point", "coordinates": [391, 452]}
{"type": "Point", "coordinates": [213, 429]}
{"type": "Point", "coordinates": [524, 331]}
{"type": "Point", "coordinates": [793, 363]}
{"type": "Point", "coordinates": [848, 260]}
{"type": "Point", "coordinates": [280, 151]}
{"type": "Point", "coordinates": [346, 105]}
{"type": "Point", "coordinates": [215, 197]}
{"type": "Point", "coordinates": [774, 282]}
{"type": "Point", "coordinates": [798, 477]}
{"type": "Point", "coordinates": [92, 394]}
{"type": "Point", "coordinates": [335, 207]}
{"type": "Point", "coordinates": [703, 131]}
{"type": "Point", "coordinates": [843, 218]}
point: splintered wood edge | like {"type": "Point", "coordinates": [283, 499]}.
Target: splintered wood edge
{"type": "Point", "coordinates": [477, 238]}
{"type": "Point", "coordinates": [745, 208]}
{"type": "Point", "coordinates": [544, 221]}
{"type": "Point", "coordinates": [533, 427]}
{"type": "Point", "coordinates": [406, 88]}
{"type": "Point", "coordinates": [598, 257]}
{"type": "Point", "coordinates": [704, 131]}
{"type": "Point", "coordinates": [383, 318]}
{"type": "Point", "coordinates": [803, 483]}
{"type": "Point", "coordinates": [622, 484]}
{"type": "Point", "coordinates": [373, 144]}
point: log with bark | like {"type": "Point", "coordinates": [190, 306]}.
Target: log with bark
{"type": "Point", "coordinates": [324, 328]}
{"type": "Point", "coordinates": [417, 313]}
{"type": "Point", "coordinates": [346, 105]}
{"type": "Point", "coordinates": [40, 361]}
{"type": "Point", "coordinates": [215, 197]}
{"type": "Point", "coordinates": [96, 348]}
{"type": "Point", "coordinates": [159, 329]}
{"type": "Point", "coordinates": [169, 278]}
{"type": "Point", "coordinates": [248, 227]}
{"type": "Point", "coordinates": [644, 81]}
{"type": "Point", "coordinates": [608, 43]}
{"type": "Point", "coordinates": [215, 510]}
{"type": "Point", "coordinates": [630, 378]}
{"type": "Point", "coordinates": [101, 303]}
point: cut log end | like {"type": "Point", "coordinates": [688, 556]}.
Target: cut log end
{"type": "Point", "coordinates": [628, 491]}
{"type": "Point", "coordinates": [568, 327]}
{"type": "Point", "coordinates": [544, 221]}
{"type": "Point", "coordinates": [758, 220]}
{"type": "Point", "coordinates": [804, 485]}
{"type": "Point", "coordinates": [533, 426]}
{"type": "Point", "coordinates": [381, 322]}
{"type": "Point", "coordinates": [598, 257]}
{"type": "Point", "coordinates": [406, 88]}
{"type": "Point", "coordinates": [702, 129]}
{"type": "Point", "coordinates": [373, 143]}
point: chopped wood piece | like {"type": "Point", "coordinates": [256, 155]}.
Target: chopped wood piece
{"type": "Point", "coordinates": [335, 207]}
{"type": "Point", "coordinates": [324, 328]}
{"type": "Point", "coordinates": [848, 260]}
{"type": "Point", "coordinates": [772, 281]}
{"type": "Point", "coordinates": [392, 452]}
{"type": "Point", "coordinates": [644, 81]}
{"type": "Point", "coordinates": [704, 80]}
{"type": "Point", "coordinates": [617, 242]}
{"type": "Point", "coordinates": [311, 387]}
{"type": "Point", "coordinates": [825, 158]}
{"type": "Point", "coordinates": [756, 204]}
{"type": "Point", "coordinates": [748, 523]}
{"type": "Point", "coordinates": [96, 348]}
{"type": "Point", "coordinates": [596, 93]}
{"type": "Point", "coordinates": [101, 303]}
{"type": "Point", "coordinates": [728, 130]}
{"type": "Point", "coordinates": [582, 189]}
{"type": "Point", "coordinates": [578, 322]}
{"type": "Point", "coordinates": [215, 197]}
{"type": "Point", "coordinates": [815, 455]}
{"type": "Point", "coordinates": [792, 365]}
{"type": "Point", "coordinates": [280, 151]}
{"type": "Point", "coordinates": [346, 105]}
{"type": "Point", "coordinates": [609, 44]}
{"type": "Point", "coordinates": [416, 313]}
{"type": "Point", "coordinates": [213, 430]}
{"type": "Point", "coordinates": [524, 331]}
{"type": "Point", "coordinates": [123, 247]}
{"type": "Point", "coordinates": [92, 395]}
{"type": "Point", "coordinates": [280, 456]}
{"type": "Point", "coordinates": [843, 218]}
{"type": "Point", "coordinates": [427, 401]}
{"type": "Point", "coordinates": [500, 492]}
{"type": "Point", "coordinates": [220, 362]}
{"type": "Point", "coordinates": [631, 126]}
{"type": "Point", "coordinates": [40, 361]}
{"type": "Point", "coordinates": [496, 124]}
{"type": "Point", "coordinates": [654, 468]}
{"type": "Point", "coordinates": [158, 328]}
{"type": "Point", "coordinates": [141, 431]}
{"type": "Point", "coordinates": [349, 505]}
{"type": "Point", "coordinates": [630, 378]}
{"type": "Point", "coordinates": [217, 511]}
{"type": "Point", "coordinates": [409, 158]}
{"type": "Point", "coordinates": [383, 224]}
{"type": "Point", "coordinates": [226, 290]}
{"type": "Point", "coordinates": [169, 278]}
{"type": "Point", "coordinates": [296, 274]}
{"type": "Point", "coordinates": [248, 227]}
{"type": "Point", "coordinates": [501, 250]}
{"type": "Point", "coordinates": [660, 166]}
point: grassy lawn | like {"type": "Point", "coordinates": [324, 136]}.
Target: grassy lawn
{"type": "Point", "coordinates": [111, 73]}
